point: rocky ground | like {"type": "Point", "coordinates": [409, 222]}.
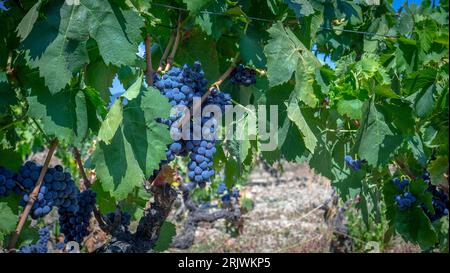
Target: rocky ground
{"type": "Point", "coordinates": [287, 217]}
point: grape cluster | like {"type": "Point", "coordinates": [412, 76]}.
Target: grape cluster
{"type": "Point", "coordinates": [58, 189]}
{"type": "Point", "coordinates": [400, 183]}
{"type": "Point", "coordinates": [125, 218]}
{"type": "Point", "coordinates": [74, 225]}
{"type": "Point", "coordinates": [200, 163]}
{"type": "Point", "coordinates": [7, 183]}
{"type": "Point", "coordinates": [180, 85]}
{"type": "Point", "coordinates": [226, 194]}
{"type": "Point", "coordinates": [218, 98]}
{"type": "Point", "coordinates": [41, 245]}
{"type": "Point", "coordinates": [355, 164]}
{"type": "Point", "coordinates": [440, 200]}
{"type": "Point", "coordinates": [405, 200]}
{"type": "Point", "coordinates": [202, 151]}
{"type": "Point", "coordinates": [243, 75]}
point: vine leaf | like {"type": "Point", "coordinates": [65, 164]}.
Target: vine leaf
{"type": "Point", "coordinates": [133, 91]}
{"type": "Point", "coordinates": [250, 48]}
{"type": "Point", "coordinates": [296, 116]}
{"type": "Point", "coordinates": [10, 159]}
{"type": "Point", "coordinates": [424, 101]}
{"type": "Point", "coordinates": [376, 141]}
{"type": "Point", "coordinates": [63, 115]}
{"type": "Point", "coordinates": [195, 5]}
{"type": "Point", "coordinates": [100, 76]}
{"type": "Point", "coordinates": [414, 226]}
{"type": "Point", "coordinates": [6, 93]}
{"type": "Point", "coordinates": [58, 44]}
{"type": "Point", "coordinates": [136, 148]}
{"type": "Point", "coordinates": [300, 7]}
{"type": "Point", "coordinates": [26, 25]}
{"type": "Point", "coordinates": [7, 219]}
{"type": "Point", "coordinates": [437, 168]}
{"type": "Point", "coordinates": [168, 231]}
{"type": "Point", "coordinates": [283, 54]}
{"type": "Point", "coordinates": [112, 122]}
{"type": "Point", "coordinates": [350, 108]}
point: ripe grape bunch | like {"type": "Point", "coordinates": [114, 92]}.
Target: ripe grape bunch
{"type": "Point", "coordinates": [439, 201]}
{"type": "Point", "coordinates": [243, 75]}
{"type": "Point", "coordinates": [227, 194]}
{"type": "Point", "coordinates": [41, 245]}
{"type": "Point", "coordinates": [355, 164]}
{"type": "Point", "coordinates": [405, 201]}
{"type": "Point", "coordinates": [7, 183]}
{"type": "Point", "coordinates": [181, 86]}
{"type": "Point", "coordinates": [125, 218]}
{"type": "Point", "coordinates": [74, 225]}
{"type": "Point", "coordinates": [58, 189]}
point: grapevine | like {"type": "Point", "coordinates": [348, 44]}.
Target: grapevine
{"type": "Point", "coordinates": [138, 121]}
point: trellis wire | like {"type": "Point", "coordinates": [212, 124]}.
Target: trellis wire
{"type": "Point", "coordinates": [271, 21]}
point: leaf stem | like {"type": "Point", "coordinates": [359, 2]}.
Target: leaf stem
{"type": "Point", "coordinates": [33, 196]}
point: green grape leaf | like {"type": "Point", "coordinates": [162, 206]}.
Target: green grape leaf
{"type": "Point", "coordinates": [296, 116]}
{"type": "Point", "coordinates": [137, 147]}
{"type": "Point", "coordinates": [63, 114]}
{"type": "Point", "coordinates": [349, 185]}
{"type": "Point", "coordinates": [419, 189]}
{"type": "Point", "coordinates": [414, 226]}
{"type": "Point", "coordinates": [196, 5]}
{"type": "Point", "coordinates": [282, 53]}
{"type": "Point", "coordinates": [57, 45]}
{"type": "Point", "coordinates": [231, 173]}
{"type": "Point", "coordinates": [437, 169]}
{"type": "Point", "coordinates": [8, 219]}
{"type": "Point", "coordinates": [10, 159]}
{"type": "Point", "coordinates": [350, 108]}
{"type": "Point", "coordinates": [304, 88]}
{"type": "Point", "coordinates": [286, 54]}
{"type": "Point", "coordinates": [100, 77]}
{"type": "Point", "coordinates": [213, 25]}
{"type": "Point", "coordinates": [168, 231]}
{"type": "Point", "coordinates": [26, 25]}
{"type": "Point", "coordinates": [424, 101]}
{"type": "Point", "coordinates": [112, 122]}
{"type": "Point", "coordinates": [300, 7]}
{"type": "Point", "coordinates": [376, 141]}
{"type": "Point", "coordinates": [105, 202]}
{"type": "Point", "coordinates": [133, 91]}
{"type": "Point", "coordinates": [250, 48]}
{"type": "Point", "coordinates": [6, 93]}
{"type": "Point", "coordinates": [202, 48]}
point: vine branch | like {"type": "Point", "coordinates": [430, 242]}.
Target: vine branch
{"type": "Point", "coordinates": [405, 168]}
{"type": "Point", "coordinates": [148, 59]}
{"type": "Point", "coordinates": [162, 61]}
{"type": "Point", "coordinates": [197, 215]}
{"type": "Point", "coordinates": [33, 196]}
{"type": "Point", "coordinates": [175, 45]}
